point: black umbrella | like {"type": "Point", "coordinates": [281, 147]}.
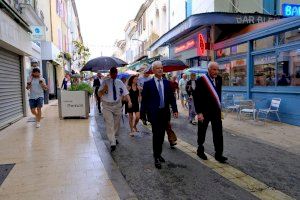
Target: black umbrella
{"type": "Point", "coordinates": [170, 65]}
{"type": "Point", "coordinates": [103, 63]}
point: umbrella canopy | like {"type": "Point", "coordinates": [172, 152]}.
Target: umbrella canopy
{"type": "Point", "coordinates": [196, 70]}
{"type": "Point", "coordinates": [171, 65]}
{"type": "Point", "coordinates": [123, 75]}
{"type": "Point", "coordinates": [131, 72]}
{"type": "Point", "coordinates": [103, 63]}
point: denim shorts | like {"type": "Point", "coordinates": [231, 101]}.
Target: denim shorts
{"type": "Point", "coordinates": [36, 103]}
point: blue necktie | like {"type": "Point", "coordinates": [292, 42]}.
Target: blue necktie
{"type": "Point", "coordinates": [114, 91]}
{"type": "Point", "coordinates": [161, 103]}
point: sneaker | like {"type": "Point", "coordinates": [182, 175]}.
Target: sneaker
{"type": "Point", "coordinates": [38, 125]}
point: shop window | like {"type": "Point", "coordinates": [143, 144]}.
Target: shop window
{"type": "Point", "coordinates": [264, 43]}
{"type": "Point", "coordinates": [234, 73]}
{"type": "Point", "coordinates": [264, 70]}
{"type": "Point", "coordinates": [289, 36]}
{"type": "Point", "coordinates": [221, 53]}
{"type": "Point", "coordinates": [288, 73]}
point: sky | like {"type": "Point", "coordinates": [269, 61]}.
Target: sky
{"type": "Point", "coordinates": [102, 22]}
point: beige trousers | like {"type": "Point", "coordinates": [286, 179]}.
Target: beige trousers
{"type": "Point", "coordinates": [112, 116]}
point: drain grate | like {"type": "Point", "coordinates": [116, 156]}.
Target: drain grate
{"type": "Point", "coordinates": [4, 171]}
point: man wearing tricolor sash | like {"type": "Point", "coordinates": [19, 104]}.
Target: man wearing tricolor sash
{"type": "Point", "coordinates": [207, 101]}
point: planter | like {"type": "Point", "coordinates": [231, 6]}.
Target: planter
{"type": "Point", "coordinates": [73, 104]}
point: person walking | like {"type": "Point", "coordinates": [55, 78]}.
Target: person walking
{"type": "Point", "coordinates": [190, 89]}
{"type": "Point", "coordinates": [174, 86]}
{"type": "Point", "coordinates": [144, 78]}
{"type": "Point", "coordinates": [112, 91]}
{"type": "Point", "coordinates": [157, 97]}
{"type": "Point", "coordinates": [96, 85]}
{"type": "Point", "coordinates": [36, 86]}
{"type": "Point", "coordinates": [135, 96]}
{"type": "Point", "coordinates": [207, 101]}
{"type": "Point", "coordinates": [182, 89]}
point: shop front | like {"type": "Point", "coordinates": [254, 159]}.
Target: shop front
{"type": "Point", "coordinates": [264, 64]}
{"type": "Point", "coordinates": [15, 47]}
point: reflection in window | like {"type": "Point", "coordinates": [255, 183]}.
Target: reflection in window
{"type": "Point", "coordinates": [289, 36]}
{"type": "Point", "coordinates": [234, 72]}
{"type": "Point", "coordinates": [233, 50]}
{"type": "Point", "coordinates": [264, 43]}
{"type": "Point", "coordinates": [289, 68]}
{"type": "Point", "coordinates": [264, 70]}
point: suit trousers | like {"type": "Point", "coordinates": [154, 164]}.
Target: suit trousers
{"type": "Point", "coordinates": [112, 116]}
{"type": "Point", "coordinates": [159, 127]}
{"type": "Point", "coordinates": [217, 130]}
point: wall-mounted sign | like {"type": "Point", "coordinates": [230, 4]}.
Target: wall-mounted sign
{"type": "Point", "coordinates": [185, 46]}
{"type": "Point", "coordinates": [290, 10]}
{"type": "Point", "coordinates": [201, 45]}
{"type": "Point", "coordinates": [38, 33]}
{"type": "Point", "coordinates": [253, 19]}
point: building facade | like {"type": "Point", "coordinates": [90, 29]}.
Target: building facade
{"type": "Point", "coordinates": [28, 33]}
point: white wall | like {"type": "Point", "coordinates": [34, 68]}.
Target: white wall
{"type": "Point", "coordinates": [177, 12]}
{"type": "Point", "coordinates": [202, 6]}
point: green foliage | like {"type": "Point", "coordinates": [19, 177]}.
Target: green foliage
{"type": "Point", "coordinates": [82, 87]}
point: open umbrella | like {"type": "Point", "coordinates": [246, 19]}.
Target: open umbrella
{"type": "Point", "coordinates": [171, 65]}
{"type": "Point", "coordinates": [103, 63]}
{"type": "Point", "coordinates": [195, 70]}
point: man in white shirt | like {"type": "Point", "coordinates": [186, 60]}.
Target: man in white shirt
{"type": "Point", "coordinates": [111, 92]}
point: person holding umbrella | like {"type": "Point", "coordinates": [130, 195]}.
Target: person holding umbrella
{"type": "Point", "coordinates": [112, 91]}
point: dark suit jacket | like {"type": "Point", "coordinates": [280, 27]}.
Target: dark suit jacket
{"type": "Point", "coordinates": [151, 100]}
{"type": "Point", "coordinates": [204, 102]}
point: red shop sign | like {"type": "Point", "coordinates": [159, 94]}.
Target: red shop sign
{"type": "Point", "coordinates": [200, 42]}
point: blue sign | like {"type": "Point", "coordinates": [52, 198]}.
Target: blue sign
{"type": "Point", "coordinates": [290, 10]}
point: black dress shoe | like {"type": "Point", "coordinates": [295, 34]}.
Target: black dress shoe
{"type": "Point", "coordinates": [113, 148]}
{"type": "Point", "coordinates": [117, 142]}
{"type": "Point", "coordinates": [221, 159]}
{"type": "Point", "coordinates": [202, 156]}
{"type": "Point", "coordinates": [161, 159]}
{"type": "Point", "coordinates": [157, 163]}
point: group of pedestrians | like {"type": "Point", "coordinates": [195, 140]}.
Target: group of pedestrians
{"type": "Point", "coordinates": [154, 100]}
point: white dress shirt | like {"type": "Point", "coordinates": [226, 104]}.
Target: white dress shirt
{"type": "Point", "coordinates": [121, 90]}
{"type": "Point", "coordinates": [193, 84]}
{"type": "Point", "coordinates": [161, 84]}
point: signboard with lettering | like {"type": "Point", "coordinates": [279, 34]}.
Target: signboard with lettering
{"type": "Point", "coordinates": [253, 19]}
{"type": "Point", "coordinates": [73, 104]}
{"type": "Point", "coordinates": [194, 45]}
{"type": "Point", "coordinates": [38, 33]}
{"type": "Point", "coordinates": [290, 10]}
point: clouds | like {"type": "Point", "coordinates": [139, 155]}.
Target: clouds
{"type": "Point", "coordinates": [103, 21]}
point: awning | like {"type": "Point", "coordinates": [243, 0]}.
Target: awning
{"type": "Point", "coordinates": [206, 19]}
{"type": "Point", "coordinates": [137, 65]}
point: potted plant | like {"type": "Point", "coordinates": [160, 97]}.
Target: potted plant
{"type": "Point", "coordinates": [75, 101]}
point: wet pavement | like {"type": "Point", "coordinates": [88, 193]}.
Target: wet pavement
{"type": "Point", "coordinates": [183, 177]}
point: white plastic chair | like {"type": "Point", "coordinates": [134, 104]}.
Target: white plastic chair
{"type": "Point", "coordinates": [274, 108]}
{"type": "Point", "coordinates": [247, 107]}
{"type": "Point", "coordinates": [235, 105]}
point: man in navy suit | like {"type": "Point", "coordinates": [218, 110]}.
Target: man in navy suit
{"type": "Point", "coordinates": [157, 96]}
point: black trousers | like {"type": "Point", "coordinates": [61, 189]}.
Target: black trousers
{"type": "Point", "coordinates": [159, 127]}
{"type": "Point", "coordinates": [217, 129]}
{"type": "Point", "coordinates": [98, 99]}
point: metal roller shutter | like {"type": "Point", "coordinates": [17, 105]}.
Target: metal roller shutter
{"type": "Point", "coordinates": [11, 99]}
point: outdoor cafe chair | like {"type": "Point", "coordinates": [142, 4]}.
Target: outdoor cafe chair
{"type": "Point", "coordinates": [247, 107]}
{"type": "Point", "coordinates": [274, 108]}
{"type": "Point", "coordinates": [232, 104]}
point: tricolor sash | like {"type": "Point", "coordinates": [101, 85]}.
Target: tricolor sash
{"type": "Point", "coordinates": [212, 89]}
